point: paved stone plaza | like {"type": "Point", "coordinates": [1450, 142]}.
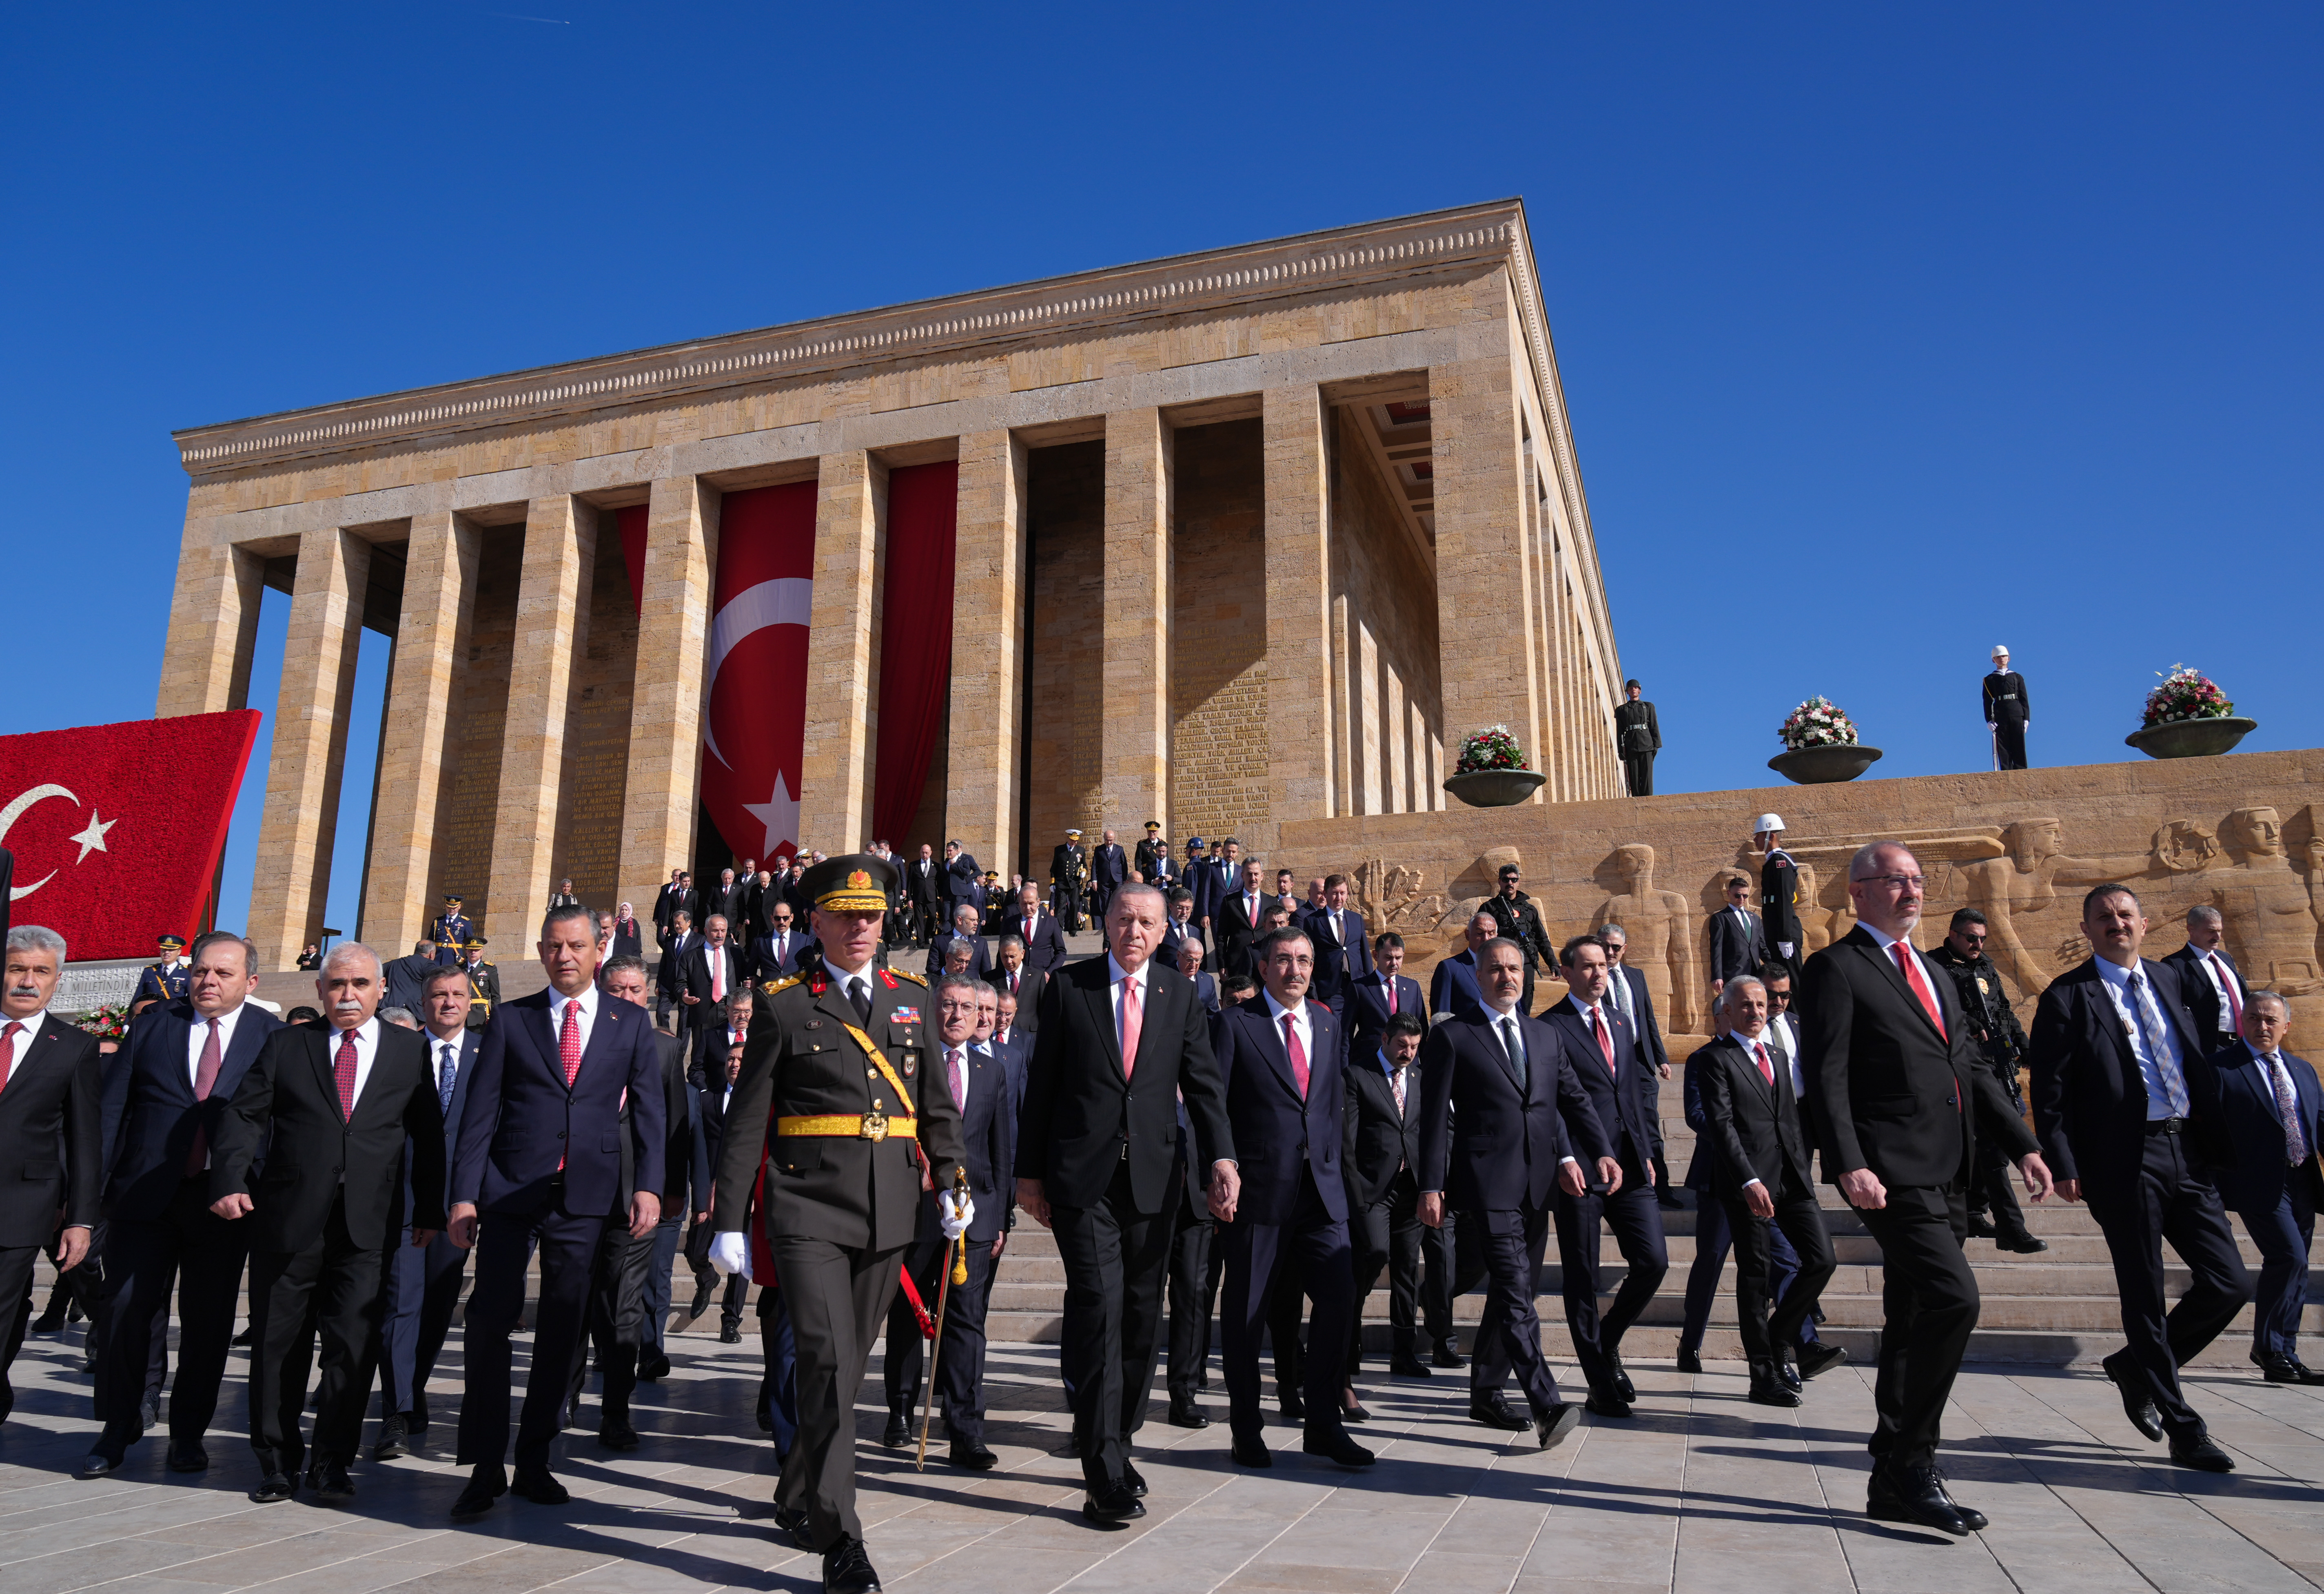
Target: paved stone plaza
{"type": "Point", "coordinates": [1702, 1492]}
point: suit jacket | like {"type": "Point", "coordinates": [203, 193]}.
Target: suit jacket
{"type": "Point", "coordinates": [2215, 1024]}
{"type": "Point", "coordinates": [1109, 867]}
{"type": "Point", "coordinates": [1174, 938]}
{"type": "Point", "coordinates": [1277, 1131]}
{"type": "Point", "coordinates": [2232, 1089]}
{"type": "Point", "coordinates": [523, 1120]}
{"type": "Point", "coordinates": [1733, 951]}
{"type": "Point", "coordinates": [2089, 1100]}
{"type": "Point", "coordinates": [1236, 929]}
{"type": "Point", "coordinates": [980, 962]}
{"type": "Point", "coordinates": [1454, 989]}
{"type": "Point", "coordinates": [669, 974]}
{"type": "Point", "coordinates": [685, 1168]}
{"type": "Point", "coordinates": [696, 974]}
{"type": "Point", "coordinates": [1210, 885]}
{"type": "Point", "coordinates": [1342, 957]}
{"type": "Point", "coordinates": [963, 881]}
{"type": "Point", "coordinates": [924, 882]}
{"type": "Point", "coordinates": [150, 1116]}
{"type": "Point", "coordinates": [988, 1129]}
{"type": "Point", "coordinates": [1379, 1142]}
{"type": "Point", "coordinates": [767, 964]}
{"type": "Point", "coordinates": [287, 1104]}
{"type": "Point", "coordinates": [1367, 1012]}
{"type": "Point", "coordinates": [1618, 1095]}
{"type": "Point", "coordinates": [1079, 1112]}
{"type": "Point", "coordinates": [1751, 1128]}
{"type": "Point", "coordinates": [1030, 983]}
{"type": "Point", "coordinates": [1652, 1053]}
{"type": "Point", "coordinates": [1045, 948]}
{"type": "Point", "coordinates": [1503, 1151]}
{"type": "Point", "coordinates": [472, 1042]}
{"type": "Point", "coordinates": [404, 980]}
{"type": "Point", "coordinates": [1885, 1087]}
{"type": "Point", "coordinates": [671, 902]}
{"type": "Point", "coordinates": [52, 1133]}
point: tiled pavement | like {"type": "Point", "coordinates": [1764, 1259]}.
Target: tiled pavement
{"type": "Point", "coordinates": [1701, 1491]}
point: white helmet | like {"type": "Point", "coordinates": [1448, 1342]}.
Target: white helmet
{"type": "Point", "coordinates": [1765, 823]}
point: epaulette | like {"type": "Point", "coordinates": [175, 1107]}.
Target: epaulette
{"type": "Point", "coordinates": [784, 983]}
{"type": "Point", "coordinates": [921, 979]}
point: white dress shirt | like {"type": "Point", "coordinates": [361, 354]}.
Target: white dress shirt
{"type": "Point", "coordinates": [200, 1037]}
{"type": "Point", "coordinates": [2214, 970]}
{"type": "Point", "coordinates": [1783, 1037]}
{"type": "Point", "coordinates": [587, 1004]}
{"type": "Point", "coordinates": [1302, 1024]}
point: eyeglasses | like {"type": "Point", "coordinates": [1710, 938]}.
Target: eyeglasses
{"type": "Point", "coordinates": [1898, 882]}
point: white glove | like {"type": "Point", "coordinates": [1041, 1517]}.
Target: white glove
{"type": "Point", "coordinates": [730, 1253]}
{"type": "Point", "coordinates": [957, 1209]}
{"type": "Point", "coordinates": [1783, 948]}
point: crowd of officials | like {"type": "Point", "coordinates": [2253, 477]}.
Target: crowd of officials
{"type": "Point", "coordinates": [1241, 1105]}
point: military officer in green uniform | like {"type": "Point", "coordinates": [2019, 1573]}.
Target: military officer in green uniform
{"type": "Point", "coordinates": [166, 981]}
{"type": "Point", "coordinates": [2000, 1043]}
{"type": "Point", "coordinates": [840, 1067]}
{"type": "Point", "coordinates": [451, 930]}
{"type": "Point", "coordinates": [483, 982]}
{"type": "Point", "coordinates": [1068, 881]}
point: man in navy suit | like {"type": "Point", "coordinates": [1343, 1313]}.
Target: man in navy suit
{"type": "Point", "coordinates": [1190, 963]}
{"type": "Point", "coordinates": [165, 1095]}
{"type": "Point", "coordinates": [2210, 982]}
{"type": "Point", "coordinates": [540, 1166]}
{"type": "Point", "coordinates": [1108, 870]}
{"type": "Point", "coordinates": [1286, 1104]}
{"type": "Point", "coordinates": [1237, 913]}
{"type": "Point", "coordinates": [963, 882]}
{"type": "Point", "coordinates": [1454, 987]}
{"type": "Point", "coordinates": [1036, 927]}
{"type": "Point", "coordinates": [964, 932]}
{"type": "Point", "coordinates": [1601, 1050]}
{"type": "Point", "coordinates": [423, 1283]}
{"type": "Point", "coordinates": [776, 954]}
{"type": "Point", "coordinates": [1381, 995]}
{"type": "Point", "coordinates": [1342, 957]}
{"type": "Point", "coordinates": [1525, 1127]}
{"type": "Point", "coordinates": [2269, 1108]}
{"type": "Point", "coordinates": [1626, 990]}
{"type": "Point", "coordinates": [1181, 927]}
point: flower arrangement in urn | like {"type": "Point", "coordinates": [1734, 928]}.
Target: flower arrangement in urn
{"type": "Point", "coordinates": [2188, 717]}
{"type": "Point", "coordinates": [2185, 694]}
{"type": "Point", "coordinates": [1492, 772]}
{"type": "Point", "coordinates": [1492, 748]}
{"type": "Point", "coordinates": [1817, 723]}
{"type": "Point", "coordinates": [109, 1022]}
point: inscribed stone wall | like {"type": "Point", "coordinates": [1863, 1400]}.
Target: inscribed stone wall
{"type": "Point", "coordinates": [1064, 516]}
{"type": "Point", "coordinates": [598, 735]}
{"type": "Point", "coordinates": [479, 717]}
{"type": "Point", "coordinates": [1218, 638]}
{"type": "Point", "coordinates": [1388, 646]}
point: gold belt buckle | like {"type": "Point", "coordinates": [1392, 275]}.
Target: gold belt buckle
{"type": "Point", "coordinates": [875, 1123]}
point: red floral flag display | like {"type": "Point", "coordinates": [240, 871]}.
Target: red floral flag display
{"type": "Point", "coordinates": [117, 829]}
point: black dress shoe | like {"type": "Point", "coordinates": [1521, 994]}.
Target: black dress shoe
{"type": "Point", "coordinates": [1338, 1448]}
{"type": "Point", "coordinates": [1447, 1354]}
{"type": "Point", "coordinates": [654, 1368]}
{"type": "Point", "coordinates": [50, 1322]}
{"type": "Point", "coordinates": [1132, 1479]}
{"type": "Point", "coordinates": [1605, 1402]}
{"type": "Point", "coordinates": [2024, 1244]}
{"type": "Point", "coordinates": [539, 1485]}
{"type": "Point", "coordinates": [1976, 1521]}
{"type": "Point", "coordinates": [702, 1294]}
{"type": "Point", "coordinates": [1250, 1452]}
{"type": "Point", "coordinates": [1111, 1508]}
{"type": "Point", "coordinates": [970, 1454]}
{"type": "Point", "coordinates": [392, 1442]}
{"type": "Point", "coordinates": [731, 1333]}
{"type": "Point", "coordinates": [1409, 1367]}
{"type": "Point", "coordinates": [242, 1338]}
{"type": "Point", "coordinates": [187, 1455]}
{"type": "Point", "coordinates": [97, 1464]}
{"type": "Point", "coordinates": [2288, 1369]}
{"type": "Point", "coordinates": [898, 1433]}
{"type": "Point", "coordinates": [2201, 1453]}
{"type": "Point", "coordinates": [1768, 1389]}
{"type": "Point", "coordinates": [1980, 1227]}
{"type": "Point", "coordinates": [1493, 1411]}
{"type": "Point", "coordinates": [328, 1482]}
{"type": "Point", "coordinates": [1689, 1361]}
{"type": "Point", "coordinates": [1820, 1358]}
{"type": "Point", "coordinates": [486, 1484]}
{"type": "Point", "coordinates": [793, 1526]}
{"type": "Point", "coordinates": [273, 1490]}
{"type": "Point", "coordinates": [1294, 1407]}
{"type": "Point", "coordinates": [1553, 1426]}
{"type": "Point", "coordinates": [1788, 1376]}
{"type": "Point", "coordinates": [1915, 1495]}
{"type": "Point", "coordinates": [1185, 1413]}
{"type": "Point", "coordinates": [2136, 1404]}
{"type": "Point", "coordinates": [847, 1570]}
{"type": "Point", "coordinates": [148, 1414]}
{"type": "Point", "coordinates": [614, 1431]}
{"type": "Point", "coordinates": [1620, 1380]}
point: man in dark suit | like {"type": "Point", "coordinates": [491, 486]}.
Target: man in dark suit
{"type": "Point", "coordinates": [424, 1281]}
{"type": "Point", "coordinates": [1020, 980]}
{"type": "Point", "coordinates": [629, 940]}
{"type": "Point", "coordinates": [1897, 1098]}
{"type": "Point", "coordinates": [678, 897]}
{"type": "Point", "coordinates": [716, 1092]}
{"type": "Point", "coordinates": [52, 1112]}
{"type": "Point", "coordinates": [1236, 917]}
{"type": "Point", "coordinates": [1381, 1154]}
{"type": "Point", "coordinates": [1504, 1122]}
{"type": "Point", "coordinates": [2269, 1109]}
{"type": "Point", "coordinates": [1180, 927]}
{"type": "Point", "coordinates": [963, 881]}
{"type": "Point", "coordinates": [776, 954]}
{"type": "Point", "coordinates": [669, 973]}
{"type": "Point", "coordinates": [1455, 988]}
{"type": "Point", "coordinates": [1190, 963]}
{"type": "Point", "coordinates": [731, 1027]}
{"type": "Point", "coordinates": [1038, 927]}
{"type": "Point", "coordinates": [1287, 1106]}
{"type": "Point", "coordinates": [333, 1106]}
{"type": "Point", "coordinates": [2008, 711]}
{"type": "Point", "coordinates": [728, 899]}
{"type": "Point", "coordinates": [1109, 868]}
{"type": "Point", "coordinates": [713, 971]}
{"type": "Point", "coordinates": [1630, 996]}
{"type": "Point", "coordinates": [165, 1093]}
{"type": "Point", "coordinates": [2112, 1050]}
{"type": "Point", "coordinates": [1602, 1055]}
{"type": "Point", "coordinates": [924, 890]}
{"type": "Point", "coordinates": [1120, 1042]}
{"type": "Point", "coordinates": [1734, 941]}
{"type": "Point", "coordinates": [965, 923]}
{"type": "Point", "coordinates": [2210, 982]}
{"type": "Point", "coordinates": [1343, 955]}
{"type": "Point", "coordinates": [407, 977]}
{"type": "Point", "coordinates": [1638, 738]}
{"type": "Point", "coordinates": [1384, 993]}
{"type": "Point", "coordinates": [539, 1163]}
{"type": "Point", "coordinates": [1761, 1176]}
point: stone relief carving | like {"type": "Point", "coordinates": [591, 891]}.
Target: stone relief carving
{"type": "Point", "coordinates": [1661, 931]}
{"type": "Point", "coordinates": [1391, 897]}
{"type": "Point", "coordinates": [2272, 910]}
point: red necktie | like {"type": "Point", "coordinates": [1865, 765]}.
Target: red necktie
{"type": "Point", "coordinates": [8, 1050]}
{"type": "Point", "coordinates": [568, 1042]}
{"type": "Point", "coordinates": [205, 1074]}
{"type": "Point", "coordinates": [1012, 982]}
{"type": "Point", "coordinates": [1298, 1055]}
{"type": "Point", "coordinates": [1766, 1069]}
{"type": "Point", "coordinates": [1605, 1040]}
{"type": "Point", "coordinates": [2226, 984]}
{"type": "Point", "coordinates": [1391, 996]}
{"type": "Point", "coordinates": [1132, 1025]}
{"type": "Point", "coordinates": [344, 1070]}
{"type": "Point", "coordinates": [1910, 966]}
{"type": "Point", "coordinates": [1028, 939]}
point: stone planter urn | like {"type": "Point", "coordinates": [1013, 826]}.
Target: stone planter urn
{"type": "Point", "coordinates": [1494, 788]}
{"type": "Point", "coordinates": [1817, 766]}
{"type": "Point", "coordinates": [2191, 738]}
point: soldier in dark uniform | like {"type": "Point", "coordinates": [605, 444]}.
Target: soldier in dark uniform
{"type": "Point", "coordinates": [483, 982]}
{"type": "Point", "coordinates": [166, 981]}
{"type": "Point", "coordinates": [838, 1064]}
{"type": "Point", "coordinates": [1520, 921]}
{"type": "Point", "coordinates": [1779, 895]}
{"type": "Point", "coordinates": [1638, 737]}
{"type": "Point", "coordinates": [451, 931]}
{"type": "Point", "coordinates": [2001, 1041]}
{"type": "Point", "coordinates": [1068, 881]}
{"type": "Point", "coordinates": [2007, 712]}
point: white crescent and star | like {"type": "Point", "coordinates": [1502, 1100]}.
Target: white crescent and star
{"type": "Point", "coordinates": [91, 837]}
{"type": "Point", "coordinates": [786, 600]}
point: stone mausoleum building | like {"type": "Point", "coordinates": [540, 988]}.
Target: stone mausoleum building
{"type": "Point", "coordinates": [1231, 540]}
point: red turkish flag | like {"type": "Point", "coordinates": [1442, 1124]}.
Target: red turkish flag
{"type": "Point", "coordinates": [755, 700]}
{"type": "Point", "coordinates": [117, 829]}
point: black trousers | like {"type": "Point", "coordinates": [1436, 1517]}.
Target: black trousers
{"type": "Point", "coordinates": [1714, 1240]}
{"type": "Point", "coordinates": [1385, 1236]}
{"type": "Point", "coordinates": [2169, 1198]}
{"type": "Point", "coordinates": [568, 1244]}
{"type": "Point", "coordinates": [1929, 1303]}
{"type": "Point", "coordinates": [423, 1291]}
{"type": "Point", "coordinates": [1454, 1265]}
{"type": "Point", "coordinates": [204, 1254]}
{"type": "Point", "coordinates": [2009, 742]}
{"type": "Point", "coordinates": [960, 1344]}
{"type": "Point", "coordinates": [1194, 1297]}
{"type": "Point", "coordinates": [15, 1310]}
{"type": "Point", "coordinates": [1307, 1255]}
{"type": "Point", "coordinates": [1801, 1219]}
{"type": "Point", "coordinates": [1638, 771]}
{"type": "Point", "coordinates": [1115, 1257]}
{"type": "Point", "coordinates": [1990, 1190]}
{"type": "Point", "coordinates": [836, 1297]}
{"type": "Point", "coordinates": [1636, 1217]}
{"type": "Point", "coordinates": [331, 1291]}
{"type": "Point", "coordinates": [617, 1317]}
{"type": "Point", "coordinates": [1508, 1335]}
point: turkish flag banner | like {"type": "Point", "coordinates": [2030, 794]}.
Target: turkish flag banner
{"type": "Point", "coordinates": [117, 829]}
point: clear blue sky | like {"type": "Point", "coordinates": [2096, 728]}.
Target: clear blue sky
{"type": "Point", "coordinates": [1889, 333]}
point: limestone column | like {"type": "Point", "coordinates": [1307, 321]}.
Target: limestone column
{"type": "Point", "coordinates": [300, 818]}
{"type": "Point", "coordinates": [552, 633]}
{"type": "Point", "coordinates": [212, 630]}
{"type": "Point", "coordinates": [431, 641]}
{"type": "Point", "coordinates": [1134, 739]}
{"type": "Point", "coordinates": [990, 589]}
{"type": "Point", "coordinates": [842, 658]}
{"type": "Point", "coordinates": [660, 790]}
{"type": "Point", "coordinates": [1298, 596]}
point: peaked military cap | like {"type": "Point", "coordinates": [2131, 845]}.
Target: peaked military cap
{"type": "Point", "coordinates": [852, 882]}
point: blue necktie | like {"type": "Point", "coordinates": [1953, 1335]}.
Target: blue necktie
{"type": "Point", "coordinates": [449, 1075]}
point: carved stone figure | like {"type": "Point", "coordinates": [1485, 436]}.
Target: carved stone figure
{"type": "Point", "coordinates": [2024, 881]}
{"type": "Point", "coordinates": [1390, 898]}
{"type": "Point", "coordinates": [2271, 910]}
{"type": "Point", "coordinates": [1661, 930]}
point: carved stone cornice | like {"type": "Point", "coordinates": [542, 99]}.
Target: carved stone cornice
{"type": "Point", "coordinates": [981, 324]}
